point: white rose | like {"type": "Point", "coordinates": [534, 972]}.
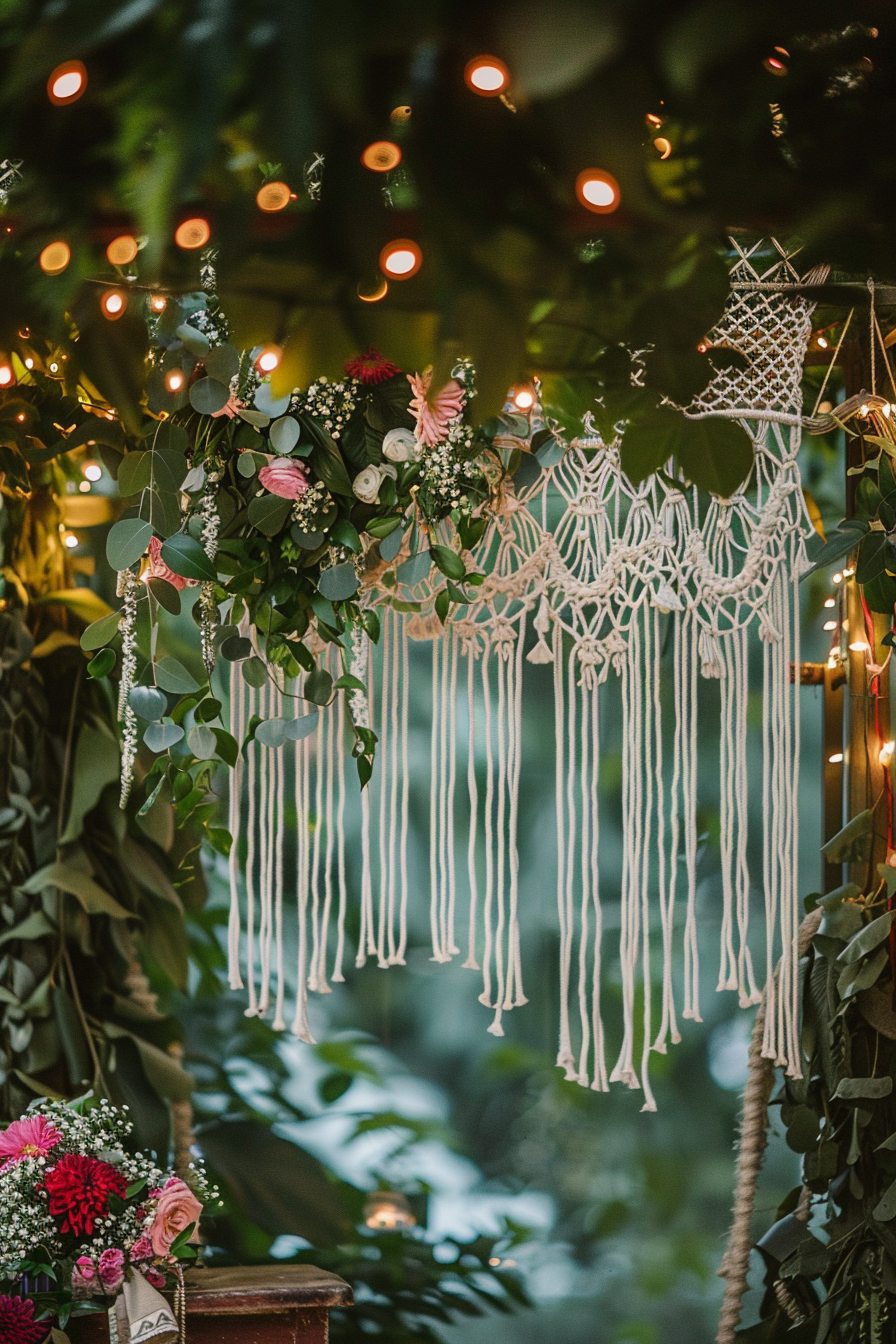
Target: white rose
{"type": "Point", "coordinates": [399, 445]}
{"type": "Point", "coordinates": [366, 484]}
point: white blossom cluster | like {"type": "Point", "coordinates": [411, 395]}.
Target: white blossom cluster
{"type": "Point", "coordinates": [309, 506]}
{"type": "Point", "coordinates": [25, 1220]}
{"type": "Point", "coordinates": [442, 467]}
{"type": "Point", "coordinates": [128, 586]}
{"type": "Point", "coordinates": [333, 403]}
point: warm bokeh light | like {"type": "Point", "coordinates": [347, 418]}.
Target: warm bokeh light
{"type": "Point", "coordinates": [774, 64]}
{"type": "Point", "coordinates": [381, 156]}
{"type": "Point", "coordinates": [158, 303]}
{"type": "Point", "coordinates": [122, 250]}
{"type": "Point", "coordinates": [524, 399]}
{"type": "Point", "coordinates": [113, 304]}
{"type": "Point", "coordinates": [193, 233]}
{"type": "Point", "coordinates": [401, 259]}
{"type": "Point", "coordinates": [70, 540]}
{"type": "Point", "coordinates": [174, 380]}
{"type": "Point", "coordinates": [55, 257]}
{"type": "Point", "coordinates": [662, 146]}
{"type": "Point", "coordinates": [399, 114]}
{"type": "Point", "coordinates": [7, 377]}
{"type": "Point", "coordinates": [269, 359]}
{"type": "Point", "coordinates": [653, 120]}
{"type": "Point", "coordinates": [273, 196]}
{"type": "Point", "coordinates": [885, 755]}
{"type": "Point", "coordinates": [29, 362]}
{"type": "Point", "coordinates": [487, 75]}
{"type": "Point", "coordinates": [93, 471]}
{"type": "Point", "coordinates": [67, 82]}
{"type": "Point", "coordinates": [597, 190]}
{"type": "Point", "coordinates": [836, 758]}
{"type": "Point", "coordinates": [372, 292]}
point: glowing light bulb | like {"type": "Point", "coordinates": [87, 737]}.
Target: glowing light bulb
{"type": "Point", "coordinates": [54, 367]}
{"type": "Point", "coordinates": [269, 359]}
{"type": "Point", "coordinates": [653, 120]}
{"type": "Point", "coordinates": [663, 146]}
{"type": "Point", "coordinates": [67, 82]}
{"type": "Point", "coordinates": [113, 304]}
{"type": "Point", "coordinates": [158, 303]}
{"type": "Point", "coordinates": [93, 471]}
{"type": "Point", "coordinates": [836, 578]}
{"type": "Point", "coordinates": [836, 758]}
{"type": "Point", "coordinates": [84, 487]}
{"type": "Point", "coordinates": [830, 601]}
{"type": "Point", "coordinates": [54, 258]}
{"type": "Point", "coordinates": [193, 233]}
{"type": "Point", "coordinates": [401, 259]}
{"type": "Point", "coordinates": [487, 75]}
{"type": "Point", "coordinates": [822, 343]}
{"type": "Point", "coordinates": [858, 646]}
{"type": "Point", "coordinates": [70, 540]}
{"type": "Point", "coordinates": [597, 190]}
{"type": "Point", "coordinates": [7, 377]}
{"type": "Point", "coordinates": [29, 362]}
{"type": "Point", "coordinates": [122, 250]}
{"type": "Point", "coordinates": [848, 573]}
{"type": "Point", "coordinates": [273, 196]}
{"type": "Point", "coordinates": [885, 755]}
{"type": "Point", "coordinates": [524, 399]}
{"type": "Point", "coordinates": [830, 625]}
{"type": "Point", "coordinates": [381, 157]}
{"type": "Point", "coordinates": [174, 380]}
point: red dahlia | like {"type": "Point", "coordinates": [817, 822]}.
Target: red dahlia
{"type": "Point", "coordinates": [79, 1190]}
{"type": "Point", "coordinates": [17, 1323]}
{"type": "Point", "coordinates": [370, 368]}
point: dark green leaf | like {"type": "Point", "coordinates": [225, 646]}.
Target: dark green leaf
{"type": "Point", "coordinates": [841, 847]}
{"type": "Point", "coordinates": [102, 664]}
{"type": "Point", "coordinates": [235, 649]}
{"type": "Point", "coordinates": [338, 582]}
{"type": "Point", "coordinates": [449, 562]}
{"type": "Point", "coordinates": [148, 702]}
{"type": "Point", "coordinates": [127, 542]}
{"type": "Point", "coordinates": [134, 472]}
{"type": "Point", "coordinates": [184, 555]}
{"type": "Point", "coordinates": [172, 676]}
{"type": "Point", "coordinates": [318, 687]}
{"type": "Point", "coordinates": [255, 672]}
{"type": "Point", "coordinates": [166, 595]}
{"type": "Point", "coordinates": [268, 513]}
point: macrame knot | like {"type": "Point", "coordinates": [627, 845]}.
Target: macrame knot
{"type": "Point", "coordinates": [768, 631]}
{"type": "Point", "coordinates": [711, 665]}
{"type": "Point", "coordinates": [467, 632]}
{"type": "Point", "coordinates": [542, 652]}
{"type": "Point", "coordinates": [587, 505]}
{"type": "Point", "coordinates": [615, 649]}
{"type": "Point", "coordinates": [665, 599]}
{"type": "Point", "coordinates": [503, 637]}
{"type": "Point", "coordinates": [591, 656]}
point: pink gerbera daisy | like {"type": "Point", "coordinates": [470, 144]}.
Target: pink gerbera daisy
{"type": "Point", "coordinates": [33, 1137]}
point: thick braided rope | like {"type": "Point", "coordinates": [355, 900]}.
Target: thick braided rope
{"type": "Point", "coordinates": [751, 1147]}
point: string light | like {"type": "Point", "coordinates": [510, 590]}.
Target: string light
{"type": "Point", "coordinates": [653, 120]}
{"type": "Point", "coordinates": [858, 646]}
{"type": "Point", "coordinates": [885, 755]}
{"type": "Point", "coordinates": [822, 343]}
{"type": "Point", "coordinates": [848, 573]}
{"type": "Point", "coordinates": [84, 487]}
{"type": "Point", "coordinates": [372, 293]}
{"type": "Point", "coordinates": [158, 303]}
{"type": "Point", "coordinates": [663, 146]}
{"type": "Point", "coordinates": [67, 82]}
{"type": "Point", "coordinates": [29, 362]}
{"type": "Point", "coordinates": [487, 75]}
{"type": "Point", "coordinates": [400, 114]}
{"type": "Point", "coordinates": [7, 376]}
{"type": "Point", "coordinates": [54, 367]}
{"type": "Point", "coordinates": [273, 196]}
{"type": "Point", "coordinates": [174, 380]}
{"type": "Point", "coordinates": [382, 156]}
{"type": "Point", "coordinates": [121, 251]}
{"type": "Point", "coordinates": [524, 399]}
{"type": "Point", "coordinates": [113, 304]}
{"type": "Point", "coordinates": [836, 578]}
{"type": "Point", "coordinates": [93, 471]}
{"type": "Point", "coordinates": [55, 257]}
{"type": "Point", "coordinates": [830, 601]}
{"type": "Point", "coordinates": [269, 359]}
{"type": "Point", "coordinates": [836, 759]}
{"type": "Point", "coordinates": [830, 625]}
{"type": "Point", "coordinates": [401, 259]}
{"type": "Point", "coordinates": [774, 64]}
{"type": "Point", "coordinates": [70, 540]}
{"type": "Point", "coordinates": [193, 233]}
{"type": "Point", "coordinates": [597, 190]}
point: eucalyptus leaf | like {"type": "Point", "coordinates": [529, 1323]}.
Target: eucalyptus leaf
{"type": "Point", "coordinates": [255, 672]}
{"type": "Point", "coordinates": [222, 362]}
{"type": "Point", "coordinates": [134, 473]}
{"type": "Point", "coordinates": [318, 687]}
{"type": "Point", "coordinates": [235, 649]}
{"type": "Point", "coordinates": [301, 727]}
{"type": "Point", "coordinates": [840, 847]}
{"type": "Point", "coordinates": [148, 702]}
{"type": "Point", "coordinates": [201, 741]}
{"type": "Point", "coordinates": [195, 341]}
{"type": "Point", "coordinates": [391, 545]}
{"type": "Point", "coordinates": [208, 396]}
{"type": "Point", "coordinates": [284, 434]}
{"type": "Point", "coordinates": [161, 736]}
{"type": "Point", "coordinates": [338, 582]}
{"type": "Point", "coordinates": [172, 676]}
{"type": "Point", "coordinates": [127, 542]}
{"type": "Point", "coordinates": [166, 595]}
{"type": "Point", "coordinates": [415, 570]}
{"type": "Point", "coordinates": [100, 632]}
{"type": "Point", "coordinates": [271, 733]}
{"type": "Point", "coordinates": [185, 556]}
{"type": "Point", "coordinates": [268, 404]}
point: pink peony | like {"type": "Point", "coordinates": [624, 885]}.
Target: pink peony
{"type": "Point", "coordinates": [84, 1276]}
{"type": "Point", "coordinates": [159, 570]}
{"type": "Point", "coordinates": [33, 1137]}
{"type": "Point", "coordinates": [111, 1268]}
{"type": "Point", "coordinates": [284, 477]}
{"type": "Point", "coordinates": [142, 1249]}
{"type": "Point", "coordinates": [177, 1208]}
{"type": "Point", "coordinates": [433, 413]}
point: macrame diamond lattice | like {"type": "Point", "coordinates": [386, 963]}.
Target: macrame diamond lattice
{"type": "Point", "coordinates": [595, 577]}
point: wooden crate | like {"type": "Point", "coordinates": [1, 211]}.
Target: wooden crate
{"type": "Point", "coordinates": [260, 1304]}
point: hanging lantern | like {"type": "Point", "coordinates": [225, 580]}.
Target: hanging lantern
{"type": "Point", "coordinates": [388, 1211]}
{"type": "Point", "coordinates": [381, 156]}
{"type": "Point", "coordinates": [598, 190]}
{"type": "Point", "coordinates": [273, 196]}
{"type": "Point", "coordinates": [122, 251]}
{"type": "Point", "coordinates": [487, 75]}
{"type": "Point", "coordinates": [54, 258]}
{"type": "Point", "coordinates": [193, 233]}
{"type": "Point", "coordinates": [67, 82]}
{"type": "Point", "coordinates": [401, 259]}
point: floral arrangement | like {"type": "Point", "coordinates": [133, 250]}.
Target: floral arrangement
{"type": "Point", "coordinates": [295, 516]}
{"type": "Point", "coordinates": [81, 1214]}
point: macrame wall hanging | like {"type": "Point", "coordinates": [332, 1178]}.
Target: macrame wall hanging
{"type": "Point", "coordinates": [594, 577]}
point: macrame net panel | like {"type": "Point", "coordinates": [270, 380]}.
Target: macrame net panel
{"type": "Point", "coordinates": [602, 580]}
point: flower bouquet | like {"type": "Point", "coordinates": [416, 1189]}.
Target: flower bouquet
{"type": "Point", "coordinates": [83, 1222]}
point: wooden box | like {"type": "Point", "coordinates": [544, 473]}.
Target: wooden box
{"type": "Point", "coordinates": [261, 1304]}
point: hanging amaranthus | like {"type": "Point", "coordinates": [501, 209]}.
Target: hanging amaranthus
{"type": "Point", "coordinates": [128, 589]}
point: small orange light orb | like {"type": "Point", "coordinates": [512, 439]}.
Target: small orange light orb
{"type": "Point", "coordinates": [653, 120]}
{"type": "Point", "coordinates": [158, 303]}
{"type": "Point", "coordinates": [401, 259]}
{"type": "Point", "coordinates": [67, 82]}
{"type": "Point", "coordinates": [113, 304]}
{"type": "Point", "coordinates": [774, 64]}
{"type": "Point", "coordinates": [399, 114]}
{"type": "Point", "coordinates": [524, 399]}
{"type": "Point", "coordinates": [597, 190]}
{"type": "Point", "coordinates": [29, 362]}
{"type": "Point", "coordinates": [487, 75]}
{"type": "Point", "coordinates": [662, 146]}
{"type": "Point", "coordinates": [381, 157]}
{"type": "Point", "coordinates": [92, 471]}
{"type": "Point", "coordinates": [372, 292]}
{"type": "Point", "coordinates": [269, 359]}
{"type": "Point", "coordinates": [54, 258]}
{"type": "Point", "coordinates": [174, 380]}
{"type": "Point", "coordinates": [121, 251]}
{"type": "Point", "coordinates": [273, 196]}
{"type": "Point", "coordinates": [193, 233]}
{"type": "Point", "coordinates": [7, 376]}
{"type": "Point", "coordinates": [25, 333]}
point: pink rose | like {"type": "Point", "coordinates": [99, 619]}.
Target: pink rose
{"type": "Point", "coordinates": [155, 1277]}
{"type": "Point", "coordinates": [177, 1208]}
{"type": "Point", "coordinates": [111, 1268]}
{"type": "Point", "coordinates": [83, 1276]}
{"type": "Point", "coordinates": [141, 1249]}
{"type": "Point", "coordinates": [159, 570]}
{"type": "Point", "coordinates": [284, 477]}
